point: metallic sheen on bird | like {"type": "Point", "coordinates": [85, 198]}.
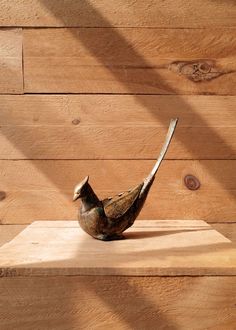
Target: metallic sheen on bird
{"type": "Point", "coordinates": [107, 219]}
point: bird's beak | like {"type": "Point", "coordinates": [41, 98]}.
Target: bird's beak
{"type": "Point", "coordinates": [76, 196]}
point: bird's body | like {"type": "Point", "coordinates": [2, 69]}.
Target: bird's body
{"type": "Point", "coordinates": [107, 219]}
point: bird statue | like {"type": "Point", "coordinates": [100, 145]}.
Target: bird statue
{"type": "Point", "coordinates": [107, 219]}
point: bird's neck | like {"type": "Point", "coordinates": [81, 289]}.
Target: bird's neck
{"type": "Point", "coordinates": [89, 200]}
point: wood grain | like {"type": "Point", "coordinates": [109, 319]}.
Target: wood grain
{"type": "Point", "coordinates": [42, 190]}
{"type": "Point", "coordinates": [105, 110]}
{"type": "Point", "coordinates": [115, 142]}
{"type": "Point", "coordinates": [168, 248]}
{"type": "Point", "coordinates": [61, 126]}
{"type": "Point", "coordinates": [142, 59]}
{"type": "Point", "coordinates": [151, 61]}
{"type": "Point", "coordinates": [8, 232]}
{"type": "Point", "coordinates": [179, 13]}
{"type": "Point", "coordinates": [11, 77]}
{"type": "Point", "coordinates": [121, 303]}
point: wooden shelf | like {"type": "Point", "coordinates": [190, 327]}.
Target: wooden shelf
{"type": "Point", "coordinates": [152, 248]}
{"type": "Point", "coordinates": [165, 275]}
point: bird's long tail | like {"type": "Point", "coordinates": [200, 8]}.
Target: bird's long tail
{"type": "Point", "coordinates": [164, 149]}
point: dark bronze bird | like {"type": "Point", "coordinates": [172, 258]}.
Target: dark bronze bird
{"type": "Point", "coordinates": [107, 219]}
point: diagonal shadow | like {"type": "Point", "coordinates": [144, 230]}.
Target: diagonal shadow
{"type": "Point", "coordinates": [76, 295]}
{"type": "Point", "coordinates": [151, 78]}
{"type": "Point", "coordinates": [67, 290]}
{"type": "Point", "coordinates": [127, 52]}
{"type": "Point", "coordinates": [27, 136]}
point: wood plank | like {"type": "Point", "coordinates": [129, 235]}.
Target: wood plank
{"type": "Point", "coordinates": [42, 190]}
{"type": "Point", "coordinates": [22, 207]}
{"type": "Point", "coordinates": [65, 110]}
{"type": "Point", "coordinates": [166, 248]}
{"type": "Point", "coordinates": [108, 113]}
{"type": "Point", "coordinates": [146, 61]}
{"type": "Point", "coordinates": [115, 142]}
{"type": "Point", "coordinates": [179, 13]}
{"type": "Point", "coordinates": [121, 303]}
{"type": "Point", "coordinates": [37, 113]}
{"type": "Point", "coordinates": [8, 232]}
{"type": "Point", "coordinates": [11, 77]}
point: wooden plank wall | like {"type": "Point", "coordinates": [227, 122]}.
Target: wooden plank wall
{"type": "Point", "coordinates": [92, 302]}
{"type": "Point", "coordinates": [95, 84]}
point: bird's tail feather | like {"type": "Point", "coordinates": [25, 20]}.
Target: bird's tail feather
{"type": "Point", "coordinates": [164, 149]}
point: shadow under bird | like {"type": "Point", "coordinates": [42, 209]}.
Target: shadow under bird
{"type": "Point", "coordinates": [107, 219]}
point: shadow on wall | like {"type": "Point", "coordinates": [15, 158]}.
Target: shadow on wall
{"type": "Point", "coordinates": [25, 143]}
{"type": "Point", "coordinates": [152, 78]}
{"type": "Point", "coordinates": [141, 301]}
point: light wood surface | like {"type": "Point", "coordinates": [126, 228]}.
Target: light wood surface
{"type": "Point", "coordinates": [8, 232]}
{"type": "Point", "coordinates": [30, 196]}
{"type": "Point", "coordinates": [53, 126]}
{"type": "Point", "coordinates": [160, 248]}
{"type": "Point", "coordinates": [42, 190]}
{"type": "Point", "coordinates": [11, 76]}
{"type": "Point", "coordinates": [120, 47]}
{"type": "Point", "coordinates": [178, 13]}
{"type": "Point", "coordinates": [115, 142]}
{"type": "Point", "coordinates": [151, 61]}
{"type": "Point", "coordinates": [106, 110]}
{"type": "Point", "coordinates": [121, 303]}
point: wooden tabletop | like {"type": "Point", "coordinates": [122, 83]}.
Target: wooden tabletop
{"type": "Point", "coordinates": [152, 248]}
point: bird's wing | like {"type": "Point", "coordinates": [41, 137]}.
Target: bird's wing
{"type": "Point", "coordinates": [118, 205]}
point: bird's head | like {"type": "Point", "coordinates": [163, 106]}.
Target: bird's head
{"type": "Point", "coordinates": [80, 189]}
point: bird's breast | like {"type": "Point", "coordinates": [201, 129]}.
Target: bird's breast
{"type": "Point", "coordinates": [92, 221]}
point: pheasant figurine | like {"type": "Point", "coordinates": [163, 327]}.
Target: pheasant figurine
{"type": "Point", "coordinates": [107, 219]}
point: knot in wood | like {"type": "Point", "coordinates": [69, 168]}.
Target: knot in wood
{"type": "Point", "coordinates": [204, 67]}
{"type": "Point", "coordinates": [191, 182]}
{"type": "Point", "coordinates": [196, 71]}
{"type": "Point", "coordinates": [75, 121]}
